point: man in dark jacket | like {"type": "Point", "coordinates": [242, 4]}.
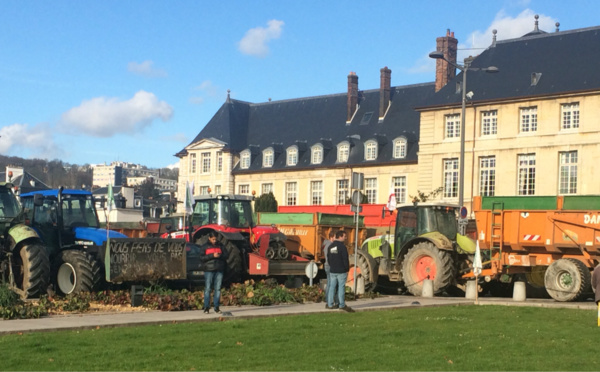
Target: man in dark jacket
{"type": "Point", "coordinates": [213, 256]}
{"type": "Point", "coordinates": [337, 257]}
{"type": "Point", "coordinates": [596, 284]}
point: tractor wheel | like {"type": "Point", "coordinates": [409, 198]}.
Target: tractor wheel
{"type": "Point", "coordinates": [365, 267]}
{"type": "Point", "coordinates": [235, 267]}
{"type": "Point", "coordinates": [425, 261]}
{"type": "Point", "coordinates": [31, 269]}
{"type": "Point", "coordinates": [75, 271]}
{"type": "Point", "coordinates": [568, 279]}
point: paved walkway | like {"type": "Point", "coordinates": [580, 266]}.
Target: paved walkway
{"type": "Point", "coordinates": [118, 319]}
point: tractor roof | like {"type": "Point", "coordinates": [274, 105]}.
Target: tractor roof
{"type": "Point", "coordinates": [223, 196]}
{"type": "Point", "coordinates": [429, 204]}
{"type": "Point", "coordinates": [54, 192]}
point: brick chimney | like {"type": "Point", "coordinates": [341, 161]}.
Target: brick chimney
{"type": "Point", "coordinates": [384, 90]}
{"type": "Point", "coordinates": [352, 94]}
{"type": "Point", "coordinates": [444, 72]}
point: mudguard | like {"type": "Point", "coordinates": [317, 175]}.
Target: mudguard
{"type": "Point", "coordinates": [98, 236]}
{"type": "Point", "coordinates": [20, 233]}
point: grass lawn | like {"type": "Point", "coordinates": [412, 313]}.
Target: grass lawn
{"type": "Point", "coordinates": [456, 338]}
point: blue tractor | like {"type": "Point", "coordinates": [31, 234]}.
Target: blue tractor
{"type": "Point", "coordinates": [68, 223]}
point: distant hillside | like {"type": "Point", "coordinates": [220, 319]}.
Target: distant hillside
{"type": "Point", "coordinates": [57, 173]}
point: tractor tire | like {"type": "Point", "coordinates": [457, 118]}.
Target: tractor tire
{"type": "Point", "coordinates": [365, 267]}
{"type": "Point", "coordinates": [31, 269]}
{"type": "Point", "coordinates": [425, 261]}
{"type": "Point", "coordinates": [75, 271]}
{"type": "Point", "coordinates": [568, 279]}
{"type": "Point", "coordinates": [235, 267]}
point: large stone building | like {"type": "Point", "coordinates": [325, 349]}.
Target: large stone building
{"type": "Point", "coordinates": [531, 129]}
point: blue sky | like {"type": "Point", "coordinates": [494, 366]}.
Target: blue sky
{"type": "Point", "coordinates": [98, 81]}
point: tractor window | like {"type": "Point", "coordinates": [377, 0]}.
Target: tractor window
{"type": "Point", "coordinates": [79, 212]}
{"type": "Point", "coordinates": [406, 225]}
{"type": "Point", "coordinates": [441, 219]}
{"type": "Point", "coordinates": [9, 206]}
{"type": "Point", "coordinates": [201, 213]}
{"type": "Point", "coordinates": [46, 213]}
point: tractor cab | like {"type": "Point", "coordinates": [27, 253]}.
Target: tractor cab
{"type": "Point", "coordinates": [232, 211]}
{"type": "Point", "coordinates": [9, 206]}
{"type": "Point", "coordinates": [425, 218]}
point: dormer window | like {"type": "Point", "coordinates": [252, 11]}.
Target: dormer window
{"type": "Point", "coordinates": [400, 148]}
{"type": "Point", "coordinates": [245, 159]}
{"type": "Point", "coordinates": [292, 156]}
{"type": "Point", "coordinates": [343, 151]}
{"type": "Point", "coordinates": [268, 156]}
{"type": "Point", "coordinates": [371, 150]}
{"type": "Point", "coordinates": [316, 154]}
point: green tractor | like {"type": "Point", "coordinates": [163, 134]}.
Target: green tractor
{"type": "Point", "coordinates": [24, 262]}
{"type": "Point", "coordinates": [426, 245]}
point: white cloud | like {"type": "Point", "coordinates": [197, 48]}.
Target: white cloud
{"type": "Point", "coordinates": [507, 27]}
{"type": "Point", "coordinates": [206, 90]}
{"type": "Point", "coordinates": [173, 166]}
{"type": "Point", "coordinates": [105, 117]}
{"type": "Point", "coordinates": [255, 40]}
{"type": "Point", "coordinates": [36, 140]}
{"type": "Point", "coordinates": [145, 69]}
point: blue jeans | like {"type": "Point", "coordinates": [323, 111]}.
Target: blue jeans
{"type": "Point", "coordinates": [212, 279]}
{"type": "Point", "coordinates": [338, 281]}
{"type": "Point", "coordinates": [328, 287]}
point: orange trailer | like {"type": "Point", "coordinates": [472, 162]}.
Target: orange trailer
{"type": "Point", "coordinates": [555, 241]}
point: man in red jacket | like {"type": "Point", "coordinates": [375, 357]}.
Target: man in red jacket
{"type": "Point", "coordinates": [213, 256]}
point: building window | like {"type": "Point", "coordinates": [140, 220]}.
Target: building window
{"type": "Point", "coordinates": [399, 186]}
{"type": "Point", "coordinates": [291, 193]}
{"type": "Point", "coordinates": [316, 156]}
{"type": "Point", "coordinates": [192, 163]}
{"type": "Point", "coordinates": [316, 192]}
{"type": "Point", "coordinates": [203, 190]}
{"type": "Point", "coordinates": [219, 161]}
{"type": "Point", "coordinates": [370, 150]}
{"type": "Point", "coordinates": [341, 191]}
{"type": "Point", "coordinates": [244, 189]}
{"type": "Point", "coordinates": [487, 176]}
{"type": "Point", "coordinates": [343, 151]}
{"type": "Point", "coordinates": [489, 123]}
{"type": "Point", "coordinates": [245, 160]}
{"type": "Point", "coordinates": [217, 189]}
{"type": "Point", "coordinates": [205, 160]}
{"type": "Point", "coordinates": [266, 188]}
{"type": "Point", "coordinates": [292, 156]}
{"type": "Point", "coordinates": [526, 174]}
{"type": "Point", "coordinates": [371, 190]}
{"type": "Point", "coordinates": [528, 121]}
{"type": "Point", "coordinates": [268, 156]}
{"type": "Point", "coordinates": [570, 115]}
{"type": "Point", "coordinates": [451, 178]}
{"type": "Point", "coordinates": [567, 173]}
{"type": "Point", "coordinates": [399, 148]}
{"type": "Point", "coordinates": [452, 126]}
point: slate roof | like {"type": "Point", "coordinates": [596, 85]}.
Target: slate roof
{"type": "Point", "coordinates": [24, 182]}
{"type": "Point", "coordinates": [567, 61]}
{"type": "Point", "coordinates": [307, 121]}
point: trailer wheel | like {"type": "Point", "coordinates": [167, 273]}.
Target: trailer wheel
{"type": "Point", "coordinates": [74, 271]}
{"type": "Point", "coordinates": [567, 279]}
{"type": "Point", "coordinates": [365, 267]}
{"type": "Point", "coordinates": [31, 269]}
{"type": "Point", "coordinates": [426, 261]}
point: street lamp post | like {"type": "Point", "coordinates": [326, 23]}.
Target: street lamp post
{"type": "Point", "coordinates": [466, 67]}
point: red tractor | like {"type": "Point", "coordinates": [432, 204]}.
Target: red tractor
{"type": "Point", "coordinates": [231, 216]}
